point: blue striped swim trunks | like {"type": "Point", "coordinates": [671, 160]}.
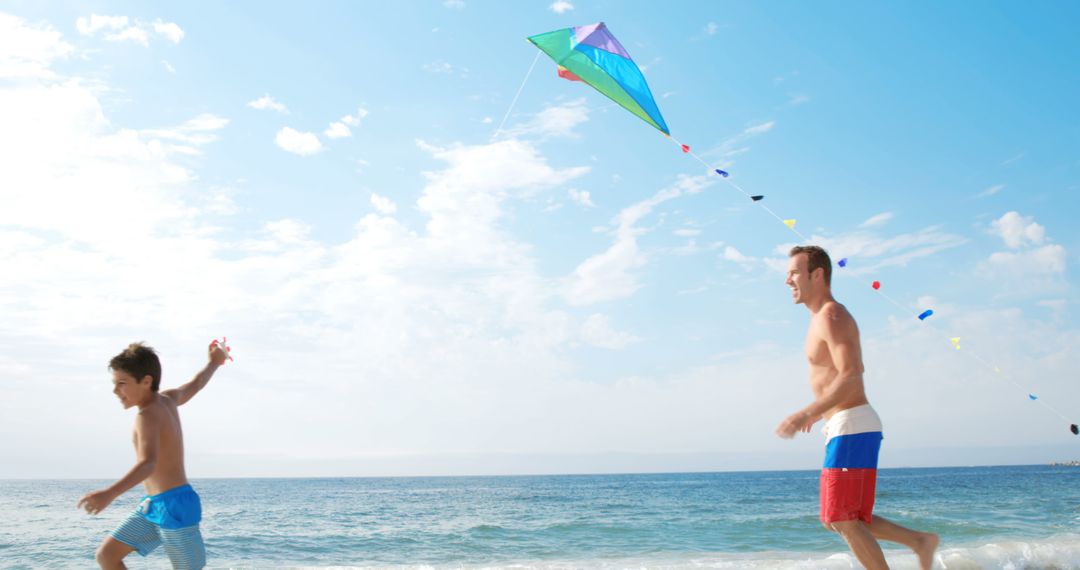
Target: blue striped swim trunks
{"type": "Point", "coordinates": [170, 519]}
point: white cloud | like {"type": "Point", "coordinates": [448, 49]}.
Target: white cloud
{"type": "Point", "coordinates": [760, 128]}
{"type": "Point", "coordinates": [1048, 259]}
{"type": "Point", "coordinates": [168, 67]}
{"type": "Point", "coordinates": [354, 119]}
{"type": "Point", "coordinates": [872, 251]}
{"type": "Point", "coordinates": [440, 67]}
{"type": "Point", "coordinates": [134, 34]}
{"type": "Point", "coordinates": [454, 4]}
{"type": "Point", "coordinates": [337, 131]}
{"type": "Point", "coordinates": [169, 30]}
{"type": "Point", "coordinates": [877, 220]}
{"type": "Point", "coordinates": [732, 254]}
{"type": "Point", "coordinates": [266, 102]}
{"type": "Point", "coordinates": [1014, 159]}
{"type": "Point", "coordinates": [796, 99]}
{"type": "Point", "coordinates": [581, 197]}
{"type": "Point", "coordinates": [296, 142]}
{"type": "Point", "coordinates": [487, 120]}
{"type": "Point", "coordinates": [560, 6]}
{"type": "Point", "coordinates": [597, 331]}
{"type": "Point", "coordinates": [687, 232]}
{"type": "Point", "coordinates": [90, 26]}
{"type": "Point", "coordinates": [28, 50]}
{"type": "Point", "coordinates": [383, 205]}
{"type": "Point", "coordinates": [711, 28]}
{"type": "Point", "coordinates": [1018, 231]}
{"type": "Point", "coordinates": [120, 29]}
{"type": "Point", "coordinates": [611, 275]}
{"type": "Point", "coordinates": [553, 121]}
{"type": "Point", "coordinates": [991, 191]}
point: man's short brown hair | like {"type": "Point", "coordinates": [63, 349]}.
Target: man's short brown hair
{"type": "Point", "coordinates": [816, 257]}
{"type": "Point", "coordinates": [139, 361]}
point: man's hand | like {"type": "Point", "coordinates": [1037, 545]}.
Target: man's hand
{"type": "Point", "coordinates": [798, 421]}
{"type": "Point", "coordinates": [96, 501]}
{"type": "Point", "coordinates": [218, 354]}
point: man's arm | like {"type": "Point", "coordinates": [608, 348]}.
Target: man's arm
{"type": "Point", "coordinates": [147, 437]}
{"type": "Point", "coordinates": [841, 337]}
{"type": "Point", "coordinates": [842, 340]}
{"type": "Point", "coordinates": [184, 393]}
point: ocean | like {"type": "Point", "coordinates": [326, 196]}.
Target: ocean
{"type": "Point", "coordinates": [988, 517]}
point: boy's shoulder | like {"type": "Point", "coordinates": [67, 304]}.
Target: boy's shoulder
{"type": "Point", "coordinates": [158, 408]}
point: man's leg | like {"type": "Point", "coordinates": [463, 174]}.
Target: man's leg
{"type": "Point", "coordinates": [110, 555]}
{"type": "Point", "coordinates": [862, 543]}
{"type": "Point", "coordinates": [923, 543]}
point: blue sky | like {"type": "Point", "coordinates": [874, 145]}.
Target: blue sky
{"type": "Point", "coordinates": [408, 295]}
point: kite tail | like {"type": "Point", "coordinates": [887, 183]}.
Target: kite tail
{"type": "Point", "coordinates": [789, 224]}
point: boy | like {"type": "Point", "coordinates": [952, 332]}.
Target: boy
{"type": "Point", "coordinates": [171, 511]}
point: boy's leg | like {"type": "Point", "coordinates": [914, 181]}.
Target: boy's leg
{"type": "Point", "coordinates": [185, 547]}
{"type": "Point", "coordinates": [862, 543]}
{"type": "Point", "coordinates": [110, 555]}
{"type": "Point", "coordinates": [923, 543]}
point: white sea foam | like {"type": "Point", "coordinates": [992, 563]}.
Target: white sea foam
{"type": "Point", "coordinates": [1059, 553]}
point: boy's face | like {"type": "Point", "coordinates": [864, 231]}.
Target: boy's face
{"type": "Point", "coordinates": [128, 389]}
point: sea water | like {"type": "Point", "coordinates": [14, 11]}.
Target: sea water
{"type": "Point", "coordinates": [988, 517]}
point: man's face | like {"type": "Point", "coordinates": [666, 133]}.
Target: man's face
{"type": "Point", "coordinates": [798, 278]}
{"type": "Point", "coordinates": [128, 390]}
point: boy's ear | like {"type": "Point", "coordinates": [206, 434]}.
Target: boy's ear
{"type": "Point", "coordinates": [147, 378]}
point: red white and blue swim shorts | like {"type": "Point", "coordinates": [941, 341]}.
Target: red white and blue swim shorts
{"type": "Point", "coordinates": [849, 476]}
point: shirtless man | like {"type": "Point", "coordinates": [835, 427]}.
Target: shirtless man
{"type": "Point", "coordinates": [170, 512]}
{"type": "Point", "coordinates": [852, 428]}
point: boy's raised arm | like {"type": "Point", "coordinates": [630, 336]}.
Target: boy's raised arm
{"type": "Point", "coordinates": [181, 395]}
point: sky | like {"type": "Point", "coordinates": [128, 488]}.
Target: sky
{"type": "Point", "coordinates": [410, 290]}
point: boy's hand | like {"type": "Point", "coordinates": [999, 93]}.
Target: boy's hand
{"type": "Point", "coordinates": [218, 354]}
{"type": "Point", "coordinates": [96, 501]}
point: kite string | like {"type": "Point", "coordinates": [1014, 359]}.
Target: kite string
{"type": "Point", "coordinates": [514, 102]}
{"type": "Point", "coordinates": [689, 151]}
{"type": "Point", "coordinates": [686, 149]}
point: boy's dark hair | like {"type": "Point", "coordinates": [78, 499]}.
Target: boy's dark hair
{"type": "Point", "coordinates": [138, 360]}
{"type": "Point", "coordinates": [816, 257]}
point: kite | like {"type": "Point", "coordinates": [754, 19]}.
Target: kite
{"type": "Point", "coordinates": [757, 198]}
{"type": "Point", "coordinates": [222, 344]}
{"type": "Point", "coordinates": [956, 342]}
{"type": "Point", "coordinates": [724, 174]}
{"type": "Point", "coordinates": [876, 285]}
{"type": "Point", "coordinates": [1076, 430]}
{"type": "Point", "coordinates": [790, 223]}
{"type": "Point", "coordinates": [1033, 397]}
{"type": "Point", "coordinates": [592, 55]}
{"type": "Point", "coordinates": [926, 313]}
{"type": "Point", "coordinates": [842, 262]}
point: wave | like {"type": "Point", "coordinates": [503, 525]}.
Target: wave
{"type": "Point", "coordinates": [1060, 552]}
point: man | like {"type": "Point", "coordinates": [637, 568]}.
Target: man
{"type": "Point", "coordinates": [852, 428]}
{"type": "Point", "coordinates": [170, 512]}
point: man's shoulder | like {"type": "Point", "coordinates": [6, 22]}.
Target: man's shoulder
{"type": "Point", "coordinates": [834, 316]}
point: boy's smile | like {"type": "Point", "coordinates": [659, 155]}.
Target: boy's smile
{"type": "Point", "coordinates": [128, 390]}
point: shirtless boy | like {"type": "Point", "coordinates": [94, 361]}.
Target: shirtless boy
{"type": "Point", "coordinates": [170, 512]}
{"type": "Point", "coordinates": [852, 428]}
